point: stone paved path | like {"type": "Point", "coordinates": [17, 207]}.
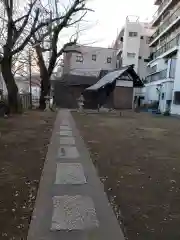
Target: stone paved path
{"type": "Point", "coordinates": [71, 203]}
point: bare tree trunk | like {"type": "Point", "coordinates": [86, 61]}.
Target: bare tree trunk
{"type": "Point", "coordinates": [13, 97]}
{"type": "Point", "coordinates": [45, 90]}
{"type": "Point", "coordinates": [45, 79]}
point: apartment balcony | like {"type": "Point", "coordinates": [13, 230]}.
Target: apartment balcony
{"type": "Point", "coordinates": [166, 26]}
{"type": "Point", "coordinates": [167, 48]}
{"type": "Point", "coordinates": [161, 75]}
{"type": "Point", "coordinates": [161, 10]}
{"type": "Point", "coordinates": [120, 48]}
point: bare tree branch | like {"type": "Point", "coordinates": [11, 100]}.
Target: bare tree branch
{"type": "Point", "coordinates": [26, 18]}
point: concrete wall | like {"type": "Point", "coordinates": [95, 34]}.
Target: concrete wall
{"type": "Point", "coordinates": [159, 91]}
{"type": "Point", "coordinates": [88, 66]}
{"type": "Point", "coordinates": [131, 44]}
{"type": "Point", "coordinates": [144, 53]}
{"type": "Point", "coordinates": [151, 93]}
{"type": "Point", "coordinates": [137, 45]}
{"type": "Point", "coordinates": [166, 94]}
{"type": "Point", "coordinates": [175, 109]}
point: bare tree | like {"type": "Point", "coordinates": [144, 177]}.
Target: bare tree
{"type": "Point", "coordinates": [74, 14]}
{"type": "Point", "coordinates": [23, 60]}
{"type": "Point", "coordinates": [16, 30]}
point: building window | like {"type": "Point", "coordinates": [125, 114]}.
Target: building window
{"type": "Point", "coordinates": [163, 96]}
{"type": "Point", "coordinates": [79, 58]}
{"type": "Point", "coordinates": [142, 37]}
{"type": "Point", "coordinates": [94, 57]}
{"type": "Point", "coordinates": [133, 34]}
{"type": "Point", "coordinates": [146, 60]}
{"type": "Point", "coordinates": [140, 57]}
{"type": "Point", "coordinates": [148, 40]}
{"type": "Point", "coordinates": [177, 98]}
{"type": "Point", "coordinates": [109, 60]}
{"type": "Point", "coordinates": [131, 55]}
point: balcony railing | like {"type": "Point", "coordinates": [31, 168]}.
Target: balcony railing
{"type": "Point", "coordinates": [157, 76]}
{"type": "Point", "coordinates": [161, 7]}
{"type": "Point", "coordinates": [166, 23]}
{"type": "Point", "coordinates": [167, 46]}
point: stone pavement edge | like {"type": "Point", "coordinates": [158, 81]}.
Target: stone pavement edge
{"type": "Point", "coordinates": [71, 203]}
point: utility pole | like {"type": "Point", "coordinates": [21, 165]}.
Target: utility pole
{"type": "Point", "coordinates": [30, 78]}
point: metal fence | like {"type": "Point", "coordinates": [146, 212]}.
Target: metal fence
{"type": "Point", "coordinates": [167, 46]}
{"type": "Point", "coordinates": [25, 99]}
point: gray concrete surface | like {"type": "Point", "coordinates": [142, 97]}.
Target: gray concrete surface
{"type": "Point", "coordinates": [68, 152]}
{"type": "Point", "coordinates": [71, 211]}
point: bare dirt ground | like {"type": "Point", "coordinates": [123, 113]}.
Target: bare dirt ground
{"type": "Point", "coordinates": [138, 159]}
{"type": "Point", "coordinates": [23, 147]}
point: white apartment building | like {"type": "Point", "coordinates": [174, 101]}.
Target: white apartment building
{"type": "Point", "coordinates": [88, 60]}
{"type": "Point", "coordinates": [163, 80]}
{"type": "Point", "coordinates": [132, 45]}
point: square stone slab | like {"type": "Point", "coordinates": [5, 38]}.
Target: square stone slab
{"type": "Point", "coordinates": [66, 128]}
{"type": "Point", "coordinates": [73, 213]}
{"type": "Point", "coordinates": [65, 133]}
{"type": "Point", "coordinates": [67, 141]}
{"type": "Point", "coordinates": [70, 173]}
{"type": "Point", "coordinates": [68, 152]}
{"type": "Point", "coordinates": [65, 122]}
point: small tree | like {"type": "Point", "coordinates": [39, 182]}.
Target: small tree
{"type": "Point", "coordinates": [17, 29]}
{"type": "Point", "coordinates": [73, 15]}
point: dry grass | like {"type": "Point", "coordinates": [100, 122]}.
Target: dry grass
{"type": "Point", "coordinates": [23, 146]}
{"type": "Point", "coordinates": [138, 159]}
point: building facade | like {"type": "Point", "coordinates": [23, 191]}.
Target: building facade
{"type": "Point", "coordinates": [132, 45]}
{"type": "Point", "coordinates": [162, 81]}
{"type": "Point", "coordinates": [89, 61]}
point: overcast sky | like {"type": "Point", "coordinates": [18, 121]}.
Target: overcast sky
{"type": "Point", "coordinates": [109, 17]}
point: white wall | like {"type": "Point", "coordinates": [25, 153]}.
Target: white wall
{"type": "Point", "coordinates": [166, 89]}
{"type": "Point", "coordinates": [131, 44]}
{"type": "Point", "coordinates": [88, 66]}
{"type": "Point", "coordinates": [144, 53]}
{"type": "Point", "coordinates": [152, 91]}
{"type": "Point", "coordinates": [121, 83]}
{"type": "Point", "coordinates": [175, 109]}
{"type": "Point", "coordinates": [136, 45]}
